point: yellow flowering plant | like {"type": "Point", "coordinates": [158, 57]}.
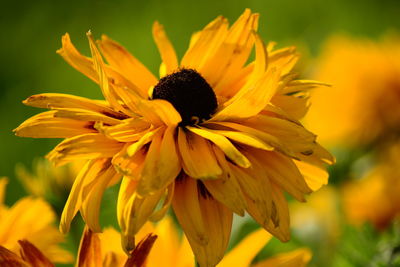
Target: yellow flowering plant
{"type": "Point", "coordinates": [214, 135]}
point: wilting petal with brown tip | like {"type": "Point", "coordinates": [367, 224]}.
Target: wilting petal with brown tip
{"type": "Point", "coordinates": [10, 259]}
{"type": "Point", "coordinates": [90, 254]}
{"type": "Point", "coordinates": [33, 256]}
{"type": "Point", "coordinates": [138, 256]}
{"type": "Point", "coordinates": [206, 222]}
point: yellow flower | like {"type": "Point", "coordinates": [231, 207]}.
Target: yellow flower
{"type": "Point", "coordinates": [47, 181]}
{"type": "Point", "coordinates": [375, 198]}
{"type": "Point", "coordinates": [171, 251]}
{"type": "Point", "coordinates": [31, 219]}
{"type": "Point", "coordinates": [363, 103]}
{"type": "Point", "coordinates": [215, 135]}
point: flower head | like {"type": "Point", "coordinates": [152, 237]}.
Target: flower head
{"type": "Point", "coordinates": [215, 135]}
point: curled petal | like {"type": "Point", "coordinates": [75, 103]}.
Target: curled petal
{"type": "Point", "coordinates": [205, 221]}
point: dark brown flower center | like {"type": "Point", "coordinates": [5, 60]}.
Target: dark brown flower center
{"type": "Point", "coordinates": [189, 93]}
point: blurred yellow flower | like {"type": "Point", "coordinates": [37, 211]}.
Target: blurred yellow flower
{"type": "Point", "coordinates": [171, 251]}
{"type": "Point", "coordinates": [213, 136]}
{"type": "Point", "coordinates": [364, 102]}
{"type": "Point", "coordinates": [317, 222]}
{"type": "Point", "coordinates": [31, 219]}
{"type": "Point", "coordinates": [46, 180]}
{"type": "Point", "coordinates": [375, 198]}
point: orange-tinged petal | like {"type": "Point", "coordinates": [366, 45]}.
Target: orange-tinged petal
{"type": "Point", "coordinates": [55, 100]}
{"type": "Point", "coordinates": [75, 59]}
{"type": "Point", "coordinates": [3, 184]}
{"type": "Point", "coordinates": [297, 258]}
{"type": "Point", "coordinates": [86, 146]}
{"type": "Point", "coordinates": [92, 196]}
{"type": "Point", "coordinates": [162, 164]}
{"type": "Point", "coordinates": [127, 65]}
{"type": "Point", "coordinates": [46, 125]}
{"type": "Point", "coordinates": [206, 222]}
{"type": "Point", "coordinates": [233, 52]}
{"type": "Point", "coordinates": [278, 223]}
{"type": "Point", "coordinates": [226, 189]}
{"type": "Point", "coordinates": [204, 43]}
{"type": "Point", "coordinates": [33, 255]}
{"type": "Point", "coordinates": [86, 176]}
{"type": "Point", "coordinates": [133, 210]}
{"type": "Point", "coordinates": [314, 176]}
{"type": "Point", "coordinates": [130, 130]}
{"type": "Point", "coordinates": [252, 100]}
{"type": "Point", "coordinates": [159, 112]}
{"type": "Point", "coordinates": [198, 159]}
{"type": "Point", "coordinates": [283, 172]}
{"type": "Point", "coordinates": [244, 138]}
{"type": "Point", "coordinates": [224, 144]}
{"type": "Point", "coordinates": [146, 138]}
{"type": "Point", "coordinates": [243, 254]}
{"type": "Point", "coordinates": [90, 254]}
{"type": "Point", "coordinates": [84, 115]}
{"type": "Point", "coordinates": [98, 65]}
{"type": "Point", "coordinates": [165, 47]}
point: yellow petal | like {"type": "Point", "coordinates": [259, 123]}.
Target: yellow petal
{"type": "Point", "coordinates": [75, 59]}
{"type": "Point", "coordinates": [159, 112]}
{"type": "Point", "coordinates": [224, 144]}
{"type": "Point", "coordinates": [3, 184]}
{"type": "Point", "coordinates": [127, 65]}
{"type": "Point", "coordinates": [86, 146]}
{"type": "Point", "coordinates": [205, 43]}
{"type": "Point", "coordinates": [91, 199]}
{"type": "Point", "coordinates": [226, 189]}
{"type": "Point", "coordinates": [206, 222]}
{"type": "Point", "coordinates": [314, 176]}
{"type": "Point", "coordinates": [165, 47]}
{"type": "Point", "coordinates": [252, 100]}
{"type": "Point", "coordinates": [243, 138]}
{"type": "Point", "coordinates": [130, 130]}
{"type": "Point", "coordinates": [136, 212]}
{"type": "Point", "coordinates": [283, 172]}
{"type": "Point", "coordinates": [84, 115]}
{"type": "Point", "coordinates": [278, 223]}
{"type": "Point", "coordinates": [297, 258]}
{"type": "Point", "coordinates": [232, 53]}
{"type": "Point", "coordinates": [54, 100]}
{"type": "Point", "coordinates": [243, 254]}
{"type": "Point", "coordinates": [86, 176]}
{"type": "Point", "coordinates": [162, 164]}
{"type": "Point", "coordinates": [98, 65]}
{"type": "Point", "coordinates": [198, 159]}
{"type": "Point", "coordinates": [144, 139]}
{"type": "Point", "coordinates": [46, 125]}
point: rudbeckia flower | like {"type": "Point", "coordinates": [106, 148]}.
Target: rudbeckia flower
{"type": "Point", "coordinates": [215, 135]}
{"type": "Point", "coordinates": [363, 104]}
{"type": "Point", "coordinates": [30, 220]}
